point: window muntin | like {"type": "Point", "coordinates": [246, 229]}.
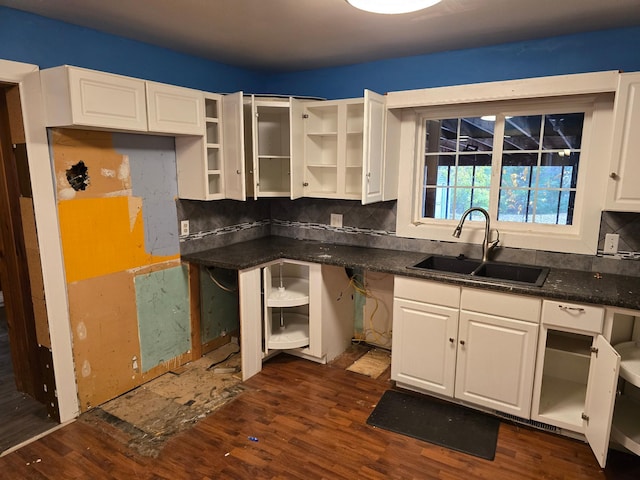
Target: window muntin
{"type": "Point", "coordinates": [537, 156]}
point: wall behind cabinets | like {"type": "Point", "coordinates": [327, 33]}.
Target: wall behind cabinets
{"type": "Point", "coordinates": [128, 292]}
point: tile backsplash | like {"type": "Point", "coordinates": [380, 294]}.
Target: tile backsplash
{"type": "Point", "coordinates": [219, 223]}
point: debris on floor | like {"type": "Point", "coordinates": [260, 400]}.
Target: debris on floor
{"type": "Point", "coordinates": [152, 413]}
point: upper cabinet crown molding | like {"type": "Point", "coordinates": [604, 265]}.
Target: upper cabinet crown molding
{"type": "Point", "coordinates": [553, 86]}
{"type": "Point", "coordinates": [78, 97]}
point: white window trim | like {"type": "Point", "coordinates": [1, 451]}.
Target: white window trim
{"type": "Point", "coordinates": [581, 237]}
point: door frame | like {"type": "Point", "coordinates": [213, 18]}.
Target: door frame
{"type": "Point", "coordinates": [27, 77]}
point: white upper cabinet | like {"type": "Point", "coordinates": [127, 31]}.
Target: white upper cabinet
{"type": "Point", "coordinates": [87, 98]}
{"type": "Point", "coordinates": [79, 97]}
{"type": "Point", "coordinates": [199, 158]}
{"type": "Point", "coordinates": [373, 147]}
{"type": "Point", "coordinates": [344, 148]}
{"type": "Point", "coordinates": [175, 110]}
{"type": "Point", "coordinates": [234, 154]}
{"type": "Point", "coordinates": [623, 190]}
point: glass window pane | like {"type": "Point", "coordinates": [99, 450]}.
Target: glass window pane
{"type": "Point", "coordinates": [476, 134]}
{"type": "Point", "coordinates": [522, 132]}
{"type": "Point", "coordinates": [514, 205]}
{"type": "Point", "coordinates": [439, 169]}
{"type": "Point", "coordinates": [563, 131]}
{"type": "Point", "coordinates": [441, 135]}
{"type": "Point", "coordinates": [474, 170]}
{"type": "Point", "coordinates": [563, 166]}
{"type": "Point", "coordinates": [518, 169]}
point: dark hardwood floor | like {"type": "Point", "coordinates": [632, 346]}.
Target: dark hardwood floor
{"type": "Point", "coordinates": [21, 417]}
{"type": "Point", "coordinates": [309, 421]}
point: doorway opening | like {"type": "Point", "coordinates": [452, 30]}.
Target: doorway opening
{"type": "Point", "coordinates": [28, 405]}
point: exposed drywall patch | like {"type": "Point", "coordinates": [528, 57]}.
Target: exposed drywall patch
{"type": "Point", "coordinates": [78, 176]}
{"type": "Point", "coordinates": [162, 303]}
{"type": "Point", "coordinates": [105, 337]}
{"type": "Point", "coordinates": [152, 163]}
{"type": "Point", "coordinates": [83, 162]}
{"type": "Point", "coordinates": [102, 236]}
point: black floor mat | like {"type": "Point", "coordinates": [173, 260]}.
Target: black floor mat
{"type": "Point", "coordinates": [434, 421]}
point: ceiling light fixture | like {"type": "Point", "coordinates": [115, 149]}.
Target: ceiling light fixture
{"type": "Point", "coordinates": [392, 6]}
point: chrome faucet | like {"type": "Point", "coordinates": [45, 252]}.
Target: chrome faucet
{"type": "Point", "coordinates": [487, 245]}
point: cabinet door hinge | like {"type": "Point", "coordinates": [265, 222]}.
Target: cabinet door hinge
{"type": "Point", "coordinates": [594, 350]}
{"type": "Point", "coordinates": [584, 417]}
{"type": "Point", "coordinates": [305, 115]}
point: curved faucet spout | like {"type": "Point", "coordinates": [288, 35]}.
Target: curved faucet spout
{"type": "Point", "coordinates": [487, 245]}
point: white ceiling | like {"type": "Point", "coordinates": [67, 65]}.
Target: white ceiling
{"type": "Point", "coordinates": [303, 34]}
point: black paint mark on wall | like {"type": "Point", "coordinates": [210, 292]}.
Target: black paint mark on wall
{"type": "Point", "coordinates": [78, 176]}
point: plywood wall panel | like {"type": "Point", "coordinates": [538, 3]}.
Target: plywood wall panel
{"type": "Point", "coordinates": [105, 337]}
{"type": "Point", "coordinates": [107, 171]}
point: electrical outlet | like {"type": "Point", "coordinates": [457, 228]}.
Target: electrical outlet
{"type": "Point", "coordinates": [336, 220]}
{"type": "Point", "coordinates": [184, 228]}
{"type": "Point", "coordinates": [611, 243]}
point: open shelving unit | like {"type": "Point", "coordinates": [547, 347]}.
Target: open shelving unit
{"type": "Point", "coordinates": [286, 306]}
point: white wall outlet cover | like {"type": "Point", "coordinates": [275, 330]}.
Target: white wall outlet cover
{"type": "Point", "coordinates": [184, 227]}
{"type": "Point", "coordinates": [336, 220]}
{"type": "Point", "coordinates": [611, 241]}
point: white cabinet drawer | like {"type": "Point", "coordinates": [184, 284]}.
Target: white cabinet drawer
{"type": "Point", "coordinates": [574, 316]}
{"type": "Point", "coordinates": [501, 304]}
{"type": "Point", "coordinates": [427, 292]}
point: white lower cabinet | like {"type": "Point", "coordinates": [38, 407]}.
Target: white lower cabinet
{"type": "Point", "coordinates": [300, 308]}
{"type": "Point", "coordinates": [472, 345]}
{"type": "Point", "coordinates": [576, 373]}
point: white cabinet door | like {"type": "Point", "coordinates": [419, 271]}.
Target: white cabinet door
{"type": "Point", "coordinates": [496, 362]}
{"type": "Point", "coordinates": [297, 148]}
{"type": "Point", "coordinates": [623, 189]}
{"type": "Point", "coordinates": [373, 147]}
{"type": "Point", "coordinates": [175, 110]}
{"type": "Point", "coordinates": [424, 346]}
{"type": "Point", "coordinates": [79, 97]}
{"type": "Point", "coordinates": [601, 394]}
{"type": "Point", "coordinates": [233, 138]}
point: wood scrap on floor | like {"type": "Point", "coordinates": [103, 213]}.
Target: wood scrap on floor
{"type": "Point", "coordinates": [154, 412]}
{"type": "Point", "coordinates": [372, 364]}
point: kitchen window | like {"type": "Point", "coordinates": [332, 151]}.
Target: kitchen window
{"type": "Point", "coordinates": [538, 166]}
{"type": "Point", "coordinates": [537, 155]}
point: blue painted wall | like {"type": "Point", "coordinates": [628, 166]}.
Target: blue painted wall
{"type": "Point", "coordinates": [34, 39]}
{"type": "Point", "coordinates": [587, 52]}
{"type": "Point", "coordinates": [29, 38]}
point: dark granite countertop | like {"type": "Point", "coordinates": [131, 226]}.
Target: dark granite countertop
{"type": "Point", "coordinates": [569, 285]}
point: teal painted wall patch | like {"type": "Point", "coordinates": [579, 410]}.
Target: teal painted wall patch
{"type": "Point", "coordinates": [162, 303]}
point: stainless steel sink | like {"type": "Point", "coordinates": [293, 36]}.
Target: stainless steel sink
{"type": "Point", "coordinates": [478, 270]}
